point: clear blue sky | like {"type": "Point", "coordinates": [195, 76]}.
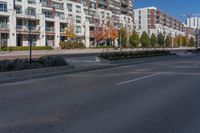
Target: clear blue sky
{"type": "Point", "coordinates": [172, 7]}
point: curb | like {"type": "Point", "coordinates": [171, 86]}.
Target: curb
{"type": "Point", "coordinates": [18, 79]}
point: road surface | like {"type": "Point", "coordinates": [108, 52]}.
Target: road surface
{"type": "Point", "coordinates": [157, 97]}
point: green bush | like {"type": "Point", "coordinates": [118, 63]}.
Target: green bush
{"type": "Point", "coordinates": [72, 45]}
{"type": "Point", "coordinates": [5, 65]}
{"type": "Point", "coordinates": [50, 61]}
{"type": "Point", "coordinates": [20, 64]}
{"type": "Point", "coordinates": [132, 55]}
{"type": "Point", "coordinates": [24, 48]}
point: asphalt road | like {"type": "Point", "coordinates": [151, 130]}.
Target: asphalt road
{"type": "Point", "coordinates": [157, 97]}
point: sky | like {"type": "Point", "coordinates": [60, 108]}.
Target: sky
{"type": "Point", "coordinates": [175, 8]}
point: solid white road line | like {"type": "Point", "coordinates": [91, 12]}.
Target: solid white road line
{"type": "Point", "coordinates": [137, 79]}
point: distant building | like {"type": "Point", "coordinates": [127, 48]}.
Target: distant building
{"type": "Point", "coordinates": [193, 22]}
{"type": "Point", "coordinates": [153, 20]}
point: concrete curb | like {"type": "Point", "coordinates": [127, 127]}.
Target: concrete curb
{"type": "Point", "coordinates": [78, 70]}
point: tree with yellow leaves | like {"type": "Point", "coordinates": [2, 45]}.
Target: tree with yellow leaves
{"type": "Point", "coordinates": [69, 31]}
{"type": "Point", "coordinates": [113, 34]}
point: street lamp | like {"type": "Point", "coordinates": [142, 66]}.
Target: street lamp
{"type": "Point", "coordinates": [30, 40]}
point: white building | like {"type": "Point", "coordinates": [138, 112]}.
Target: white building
{"type": "Point", "coordinates": [193, 22]}
{"type": "Point", "coordinates": [49, 18]}
{"type": "Point", "coordinates": [152, 20]}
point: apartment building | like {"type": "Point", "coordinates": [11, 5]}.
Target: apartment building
{"type": "Point", "coordinates": [193, 22]}
{"type": "Point", "coordinates": [46, 20]}
{"type": "Point", "coordinates": [153, 20]}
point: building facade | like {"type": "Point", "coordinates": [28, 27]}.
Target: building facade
{"type": "Point", "coordinates": [193, 22]}
{"type": "Point", "coordinates": [46, 20]}
{"type": "Point", "coordinates": [153, 20]}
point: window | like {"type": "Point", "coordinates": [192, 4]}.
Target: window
{"type": "Point", "coordinates": [69, 7]}
{"type": "Point", "coordinates": [47, 13]}
{"type": "Point", "coordinates": [78, 19]}
{"type": "Point", "coordinates": [3, 6]}
{"type": "Point", "coordinates": [78, 9]}
{"type": "Point", "coordinates": [78, 29]}
{"type": "Point", "coordinates": [32, 1]}
{"type": "Point", "coordinates": [60, 15]}
{"type": "Point", "coordinates": [31, 11]}
{"type": "Point", "coordinates": [18, 9]}
{"type": "Point", "coordinates": [58, 6]}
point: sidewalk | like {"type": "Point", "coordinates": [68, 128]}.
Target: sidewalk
{"type": "Point", "coordinates": [16, 76]}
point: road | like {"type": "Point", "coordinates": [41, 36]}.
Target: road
{"type": "Point", "coordinates": [156, 97]}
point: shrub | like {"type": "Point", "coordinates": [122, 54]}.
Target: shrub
{"type": "Point", "coordinates": [132, 55]}
{"type": "Point", "coordinates": [24, 48]}
{"type": "Point", "coordinates": [72, 45]}
{"type": "Point", "coordinates": [20, 64]}
{"type": "Point", "coordinates": [62, 45]}
{"type": "Point", "coordinates": [5, 65]}
{"type": "Point", "coordinates": [50, 61]}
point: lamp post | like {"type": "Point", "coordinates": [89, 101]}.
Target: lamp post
{"type": "Point", "coordinates": [120, 34]}
{"type": "Point", "coordinates": [30, 41]}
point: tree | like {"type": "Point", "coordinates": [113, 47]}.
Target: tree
{"type": "Point", "coordinates": [113, 34]}
{"type": "Point", "coordinates": [123, 33]}
{"type": "Point", "coordinates": [134, 40]}
{"type": "Point", "coordinates": [184, 41]}
{"type": "Point", "coordinates": [191, 42]}
{"type": "Point", "coordinates": [179, 40]}
{"type": "Point", "coordinates": [145, 40]}
{"type": "Point", "coordinates": [69, 31]}
{"type": "Point", "coordinates": [98, 35]}
{"type": "Point", "coordinates": [154, 40]}
{"type": "Point", "coordinates": [160, 40]}
{"type": "Point", "coordinates": [168, 41]}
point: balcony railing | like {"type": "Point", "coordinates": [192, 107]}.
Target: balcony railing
{"type": "Point", "coordinates": [3, 26]}
{"type": "Point", "coordinates": [50, 29]}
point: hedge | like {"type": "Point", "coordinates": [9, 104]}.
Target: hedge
{"type": "Point", "coordinates": [72, 45]}
{"type": "Point", "coordinates": [24, 48]}
{"type": "Point", "coordinates": [21, 64]}
{"type": "Point", "coordinates": [133, 55]}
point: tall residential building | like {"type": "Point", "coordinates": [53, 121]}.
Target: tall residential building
{"type": "Point", "coordinates": [49, 18]}
{"type": "Point", "coordinates": [153, 20]}
{"type": "Point", "coordinates": [193, 22]}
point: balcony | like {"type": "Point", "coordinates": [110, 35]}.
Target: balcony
{"type": "Point", "coordinates": [33, 2]}
{"type": "Point", "coordinates": [3, 26]}
{"type": "Point", "coordinates": [49, 29]}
